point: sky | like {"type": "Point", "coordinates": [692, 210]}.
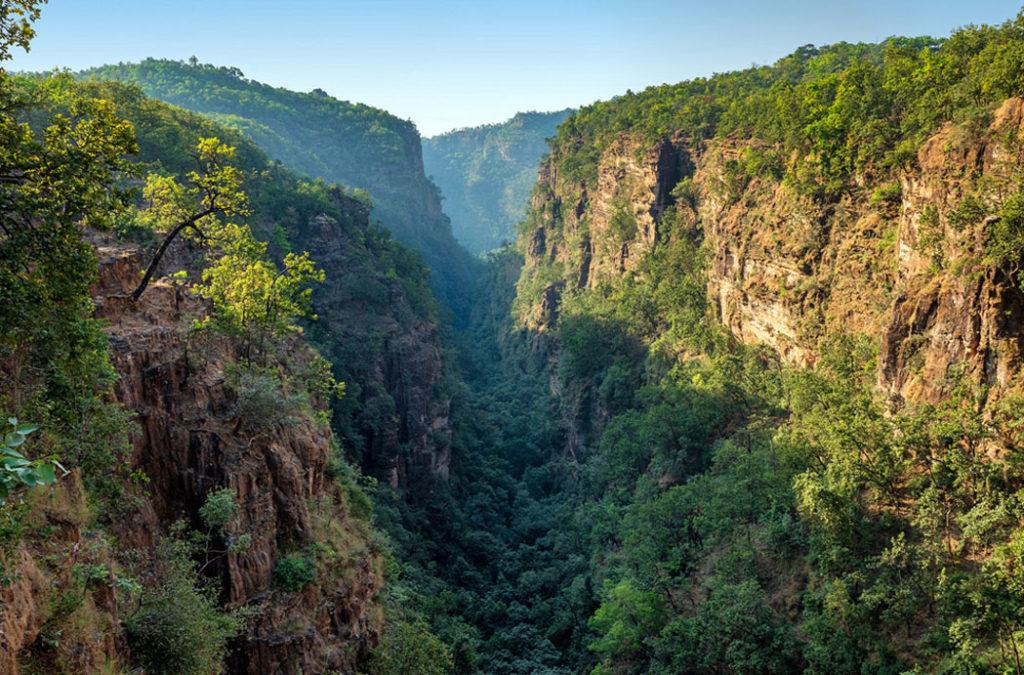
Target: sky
{"type": "Point", "coordinates": [454, 63]}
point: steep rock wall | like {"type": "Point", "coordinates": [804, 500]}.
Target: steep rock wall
{"type": "Point", "coordinates": [785, 270]}
{"type": "Point", "coordinates": [189, 442]}
{"type": "Point", "coordinates": [43, 601]}
{"type": "Point", "coordinates": [387, 347]}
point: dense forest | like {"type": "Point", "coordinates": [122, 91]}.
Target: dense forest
{"type": "Point", "coordinates": [744, 395]}
{"type": "Point", "coordinates": [486, 175]}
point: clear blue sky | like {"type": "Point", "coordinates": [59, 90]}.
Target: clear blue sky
{"type": "Point", "coordinates": [454, 63]}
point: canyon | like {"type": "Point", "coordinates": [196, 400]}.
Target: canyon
{"type": "Point", "coordinates": [742, 395]}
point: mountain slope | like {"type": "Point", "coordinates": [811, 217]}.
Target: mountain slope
{"type": "Point", "coordinates": [781, 310]}
{"type": "Point", "coordinates": [181, 417]}
{"type": "Point", "coordinates": [348, 143]}
{"type": "Point", "coordinates": [486, 174]}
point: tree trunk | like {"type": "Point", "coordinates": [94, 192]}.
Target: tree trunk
{"type": "Point", "coordinates": [171, 236]}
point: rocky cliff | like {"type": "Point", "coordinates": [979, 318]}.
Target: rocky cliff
{"type": "Point", "coordinates": [188, 440]}
{"type": "Point", "coordinates": [893, 259]}
{"type": "Point", "coordinates": [379, 327]}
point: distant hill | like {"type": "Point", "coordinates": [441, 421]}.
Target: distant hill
{"type": "Point", "coordinates": [349, 143]}
{"type": "Point", "coordinates": [486, 174]}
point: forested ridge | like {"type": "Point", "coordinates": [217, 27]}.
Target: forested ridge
{"type": "Point", "coordinates": [826, 482]}
{"type": "Point", "coordinates": [486, 175]}
{"type": "Point", "coordinates": [317, 135]}
{"type": "Point", "coordinates": [743, 396]}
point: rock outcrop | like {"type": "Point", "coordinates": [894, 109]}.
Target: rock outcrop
{"type": "Point", "coordinates": [189, 442]}
{"type": "Point", "coordinates": [785, 270]}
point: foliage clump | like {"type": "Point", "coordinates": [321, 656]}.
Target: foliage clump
{"type": "Point", "coordinates": [294, 572]}
{"type": "Point", "coordinates": [410, 648]}
{"type": "Point", "coordinates": [827, 114]}
{"type": "Point", "coordinates": [178, 626]}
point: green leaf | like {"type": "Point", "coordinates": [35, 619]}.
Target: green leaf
{"type": "Point", "coordinates": [45, 474]}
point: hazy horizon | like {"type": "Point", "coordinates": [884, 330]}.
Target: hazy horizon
{"type": "Point", "coordinates": [456, 64]}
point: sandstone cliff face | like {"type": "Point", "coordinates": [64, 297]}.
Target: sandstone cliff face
{"type": "Point", "coordinates": [968, 314]}
{"type": "Point", "coordinates": [578, 237]}
{"type": "Point", "coordinates": [189, 442]}
{"type": "Point", "coordinates": [386, 348]}
{"type": "Point", "coordinates": [785, 270]}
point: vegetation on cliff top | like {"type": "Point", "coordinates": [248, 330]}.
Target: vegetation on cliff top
{"type": "Point", "coordinates": [836, 111]}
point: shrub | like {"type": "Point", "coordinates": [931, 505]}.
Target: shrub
{"type": "Point", "coordinates": [261, 400]}
{"type": "Point", "coordinates": [970, 211]}
{"type": "Point", "coordinates": [623, 225]}
{"type": "Point", "coordinates": [360, 506]}
{"type": "Point", "coordinates": [930, 236]}
{"type": "Point", "coordinates": [686, 193]}
{"type": "Point", "coordinates": [218, 509]}
{"type": "Point", "coordinates": [294, 572]}
{"type": "Point", "coordinates": [178, 627]}
{"type": "Point", "coordinates": [411, 648]}
{"type": "Point", "coordinates": [1006, 238]}
{"type": "Point", "coordinates": [889, 193]}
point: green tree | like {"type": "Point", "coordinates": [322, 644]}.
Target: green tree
{"type": "Point", "coordinates": [213, 192]}
{"type": "Point", "coordinates": [177, 626]}
{"type": "Point", "coordinates": [410, 647]}
{"type": "Point", "coordinates": [16, 18]}
{"type": "Point", "coordinates": [253, 299]}
{"type": "Point", "coordinates": [627, 622]}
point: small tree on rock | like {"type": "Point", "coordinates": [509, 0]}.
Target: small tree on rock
{"type": "Point", "coordinates": [199, 209]}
